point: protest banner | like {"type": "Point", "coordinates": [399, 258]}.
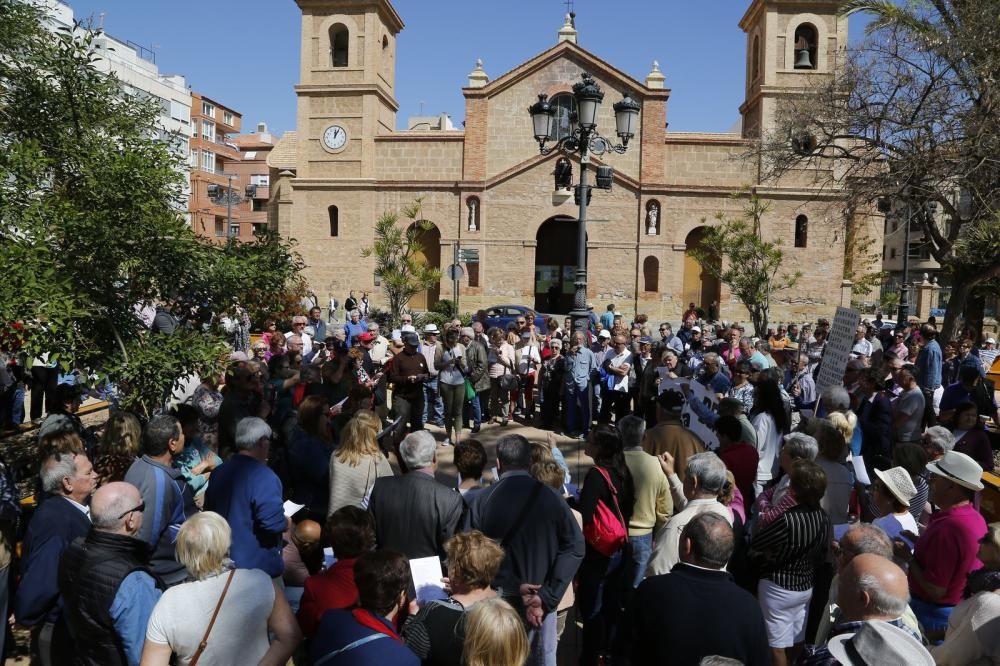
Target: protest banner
{"type": "Point", "coordinates": [838, 348]}
{"type": "Point", "coordinates": [693, 390]}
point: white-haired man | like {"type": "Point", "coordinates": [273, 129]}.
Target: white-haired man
{"type": "Point", "coordinates": [415, 514]}
{"type": "Point", "coordinates": [299, 323]}
{"type": "Point", "coordinates": [248, 495]}
{"type": "Point", "coordinates": [107, 588]}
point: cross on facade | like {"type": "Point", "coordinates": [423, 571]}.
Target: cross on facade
{"type": "Point", "coordinates": [569, 6]}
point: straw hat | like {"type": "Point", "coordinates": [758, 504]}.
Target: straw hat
{"type": "Point", "coordinates": [898, 481]}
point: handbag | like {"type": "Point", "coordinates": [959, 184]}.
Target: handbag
{"type": "Point", "coordinates": [606, 533]}
{"type": "Point", "coordinates": [218, 606]}
{"type": "Point", "coordinates": [470, 390]}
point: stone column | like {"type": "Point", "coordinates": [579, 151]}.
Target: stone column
{"type": "Point", "coordinates": [925, 294]}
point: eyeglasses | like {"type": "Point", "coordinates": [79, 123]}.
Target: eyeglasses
{"type": "Point", "coordinates": [141, 507]}
{"type": "Point", "coordinates": [299, 323]}
{"type": "Point", "coordinates": [521, 322]}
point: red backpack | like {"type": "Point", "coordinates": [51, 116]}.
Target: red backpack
{"type": "Point", "coordinates": [607, 532]}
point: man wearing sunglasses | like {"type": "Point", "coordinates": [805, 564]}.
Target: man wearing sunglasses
{"type": "Point", "coordinates": [105, 574]}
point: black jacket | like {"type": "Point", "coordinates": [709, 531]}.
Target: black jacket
{"type": "Point", "coordinates": [680, 617]}
{"type": "Point", "coordinates": [90, 572]}
{"type": "Point", "coordinates": [414, 514]}
{"type": "Point", "coordinates": [547, 547]}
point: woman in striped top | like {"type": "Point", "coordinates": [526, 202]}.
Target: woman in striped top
{"type": "Point", "coordinates": [786, 553]}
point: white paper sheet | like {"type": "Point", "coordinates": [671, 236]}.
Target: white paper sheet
{"type": "Point", "coordinates": [859, 470]}
{"type": "Point", "coordinates": [291, 508]}
{"type": "Point", "coordinates": [426, 572]}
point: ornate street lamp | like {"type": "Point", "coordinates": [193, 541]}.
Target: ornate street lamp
{"type": "Point", "coordinates": [584, 140]}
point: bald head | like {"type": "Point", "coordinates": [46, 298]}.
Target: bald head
{"type": "Point", "coordinates": [113, 508]}
{"type": "Point", "coordinates": [872, 588]}
{"type": "Point", "coordinates": [861, 539]}
{"type": "Point", "coordinates": [307, 535]}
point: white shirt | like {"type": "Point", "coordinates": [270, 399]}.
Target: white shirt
{"type": "Point", "coordinates": [307, 342]}
{"type": "Point", "coordinates": [621, 361]}
{"type": "Point", "coordinates": [525, 357]}
{"type": "Point", "coordinates": [768, 444]}
{"type": "Point", "coordinates": [82, 507]}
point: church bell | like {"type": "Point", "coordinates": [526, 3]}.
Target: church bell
{"type": "Point", "coordinates": [802, 59]}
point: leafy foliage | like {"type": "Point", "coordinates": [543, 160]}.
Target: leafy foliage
{"type": "Point", "coordinates": [399, 262]}
{"type": "Point", "coordinates": [736, 253]}
{"type": "Point", "coordinates": [913, 117]}
{"type": "Point", "coordinates": [91, 224]}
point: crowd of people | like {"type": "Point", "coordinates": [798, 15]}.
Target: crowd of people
{"type": "Point", "coordinates": [273, 513]}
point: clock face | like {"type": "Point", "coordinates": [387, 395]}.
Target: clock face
{"type": "Point", "coordinates": [335, 137]}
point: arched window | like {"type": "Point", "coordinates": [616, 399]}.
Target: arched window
{"type": "Point", "coordinates": [755, 62]}
{"type": "Point", "coordinates": [801, 230]}
{"type": "Point", "coordinates": [339, 41]}
{"type": "Point", "coordinates": [806, 46]}
{"type": "Point", "coordinates": [334, 215]}
{"type": "Point", "coordinates": [651, 274]}
{"type": "Point", "coordinates": [565, 108]}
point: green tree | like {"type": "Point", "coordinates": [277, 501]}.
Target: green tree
{"type": "Point", "coordinates": [735, 252]}
{"type": "Point", "coordinates": [399, 262]}
{"type": "Point", "coordinates": [913, 117]}
{"type": "Point", "coordinates": [91, 226]}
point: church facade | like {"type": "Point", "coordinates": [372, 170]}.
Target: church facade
{"type": "Point", "coordinates": [486, 187]}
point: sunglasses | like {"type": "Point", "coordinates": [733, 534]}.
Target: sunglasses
{"type": "Point", "coordinates": [141, 507]}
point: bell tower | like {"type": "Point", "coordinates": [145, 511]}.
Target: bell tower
{"type": "Point", "coordinates": [346, 88]}
{"type": "Point", "coordinates": [790, 44]}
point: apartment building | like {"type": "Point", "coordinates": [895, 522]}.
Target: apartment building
{"type": "Point", "coordinates": [216, 190]}
{"type": "Point", "coordinates": [255, 182]}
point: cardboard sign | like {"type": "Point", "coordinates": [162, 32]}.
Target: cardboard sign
{"type": "Point", "coordinates": [689, 419]}
{"type": "Point", "coordinates": [838, 348]}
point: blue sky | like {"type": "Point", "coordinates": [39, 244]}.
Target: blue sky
{"type": "Point", "coordinates": [246, 53]}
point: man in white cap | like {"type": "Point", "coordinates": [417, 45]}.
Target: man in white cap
{"type": "Point", "coordinates": [988, 354]}
{"type": "Point", "coordinates": [948, 548]}
{"type": "Point", "coordinates": [433, 404]}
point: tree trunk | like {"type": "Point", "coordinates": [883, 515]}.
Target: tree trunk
{"type": "Point", "coordinates": [975, 309]}
{"type": "Point", "coordinates": [960, 290]}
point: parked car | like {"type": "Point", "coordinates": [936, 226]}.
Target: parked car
{"type": "Point", "coordinates": [501, 315]}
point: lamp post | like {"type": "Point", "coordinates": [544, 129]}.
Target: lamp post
{"type": "Point", "coordinates": [584, 139]}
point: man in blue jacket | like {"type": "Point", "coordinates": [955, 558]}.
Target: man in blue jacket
{"type": "Point", "coordinates": [248, 495]}
{"type": "Point", "coordinates": [64, 516]}
{"type": "Point", "coordinates": [167, 499]}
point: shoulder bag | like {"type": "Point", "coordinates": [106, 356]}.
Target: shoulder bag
{"type": "Point", "coordinates": [606, 533]}
{"type": "Point", "coordinates": [218, 606]}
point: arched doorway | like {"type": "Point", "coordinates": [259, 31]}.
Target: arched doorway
{"type": "Point", "coordinates": [700, 286]}
{"type": "Point", "coordinates": [555, 265]}
{"type": "Point", "coordinates": [430, 251]}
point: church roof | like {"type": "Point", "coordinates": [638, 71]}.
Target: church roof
{"type": "Point", "coordinates": [560, 50]}
{"type": "Point", "coordinates": [285, 153]}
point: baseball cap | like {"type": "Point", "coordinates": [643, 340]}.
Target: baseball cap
{"type": "Point", "coordinates": [366, 337]}
{"type": "Point", "coordinates": [411, 338]}
{"type": "Point", "coordinates": [605, 333]}
{"type": "Point", "coordinates": [696, 328]}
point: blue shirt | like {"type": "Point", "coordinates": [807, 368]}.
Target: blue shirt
{"type": "Point", "coordinates": [579, 367]}
{"type": "Point", "coordinates": [133, 604]}
{"type": "Point", "coordinates": [248, 495]}
{"type": "Point", "coordinates": [353, 330]}
{"type": "Point", "coordinates": [719, 383]}
{"type": "Point", "coordinates": [929, 366]}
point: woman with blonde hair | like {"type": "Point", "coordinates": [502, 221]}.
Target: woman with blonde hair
{"type": "Point", "coordinates": [436, 632]}
{"type": "Point", "coordinates": [119, 447]}
{"type": "Point", "coordinates": [248, 604]}
{"type": "Point", "coordinates": [357, 462]}
{"type": "Point", "coordinates": [494, 636]}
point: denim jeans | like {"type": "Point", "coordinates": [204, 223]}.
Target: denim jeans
{"type": "Point", "coordinates": [473, 411]}
{"type": "Point", "coordinates": [642, 549]}
{"type": "Point", "coordinates": [433, 404]}
{"type": "Point", "coordinates": [578, 409]}
{"type": "Point", "coordinates": [543, 642]}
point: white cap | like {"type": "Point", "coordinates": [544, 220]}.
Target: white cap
{"type": "Point", "coordinates": [407, 328]}
{"type": "Point", "coordinates": [990, 341]}
{"type": "Point", "coordinates": [605, 333]}
{"type": "Point", "coordinates": [696, 328]}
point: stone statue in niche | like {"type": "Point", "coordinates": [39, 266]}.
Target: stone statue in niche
{"type": "Point", "coordinates": [472, 214]}
{"type": "Point", "coordinates": [652, 216]}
